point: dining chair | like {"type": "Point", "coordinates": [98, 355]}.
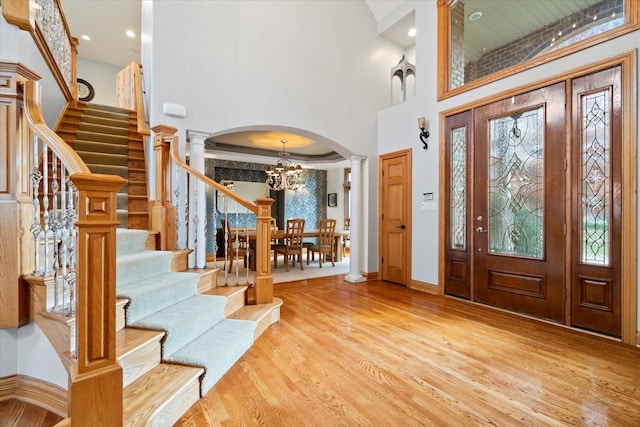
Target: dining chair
{"type": "Point", "coordinates": [292, 245]}
{"type": "Point", "coordinates": [326, 243]}
{"type": "Point", "coordinates": [346, 239]}
{"type": "Point", "coordinates": [231, 244]}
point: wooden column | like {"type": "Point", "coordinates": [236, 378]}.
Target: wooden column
{"type": "Point", "coordinates": [96, 386]}
{"type": "Point", "coordinates": [163, 212]}
{"type": "Point", "coordinates": [264, 280]}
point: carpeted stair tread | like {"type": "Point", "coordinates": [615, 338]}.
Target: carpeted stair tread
{"type": "Point", "coordinates": [111, 108]}
{"type": "Point", "coordinates": [105, 121]}
{"type": "Point", "coordinates": [102, 137]}
{"type": "Point", "coordinates": [103, 158]}
{"type": "Point", "coordinates": [122, 130]}
{"type": "Point", "coordinates": [106, 114]}
{"type": "Point", "coordinates": [142, 265]}
{"type": "Point", "coordinates": [216, 350]}
{"type": "Point", "coordinates": [184, 321]}
{"type": "Point", "coordinates": [154, 294]}
{"type": "Point", "coordinates": [130, 241]}
{"type": "Point", "coordinates": [122, 171]}
{"type": "Point", "coordinates": [100, 147]}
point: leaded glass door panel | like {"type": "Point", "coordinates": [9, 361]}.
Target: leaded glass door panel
{"type": "Point", "coordinates": [519, 203]}
{"type": "Point", "coordinates": [458, 236]}
{"type": "Point", "coordinates": [597, 207]}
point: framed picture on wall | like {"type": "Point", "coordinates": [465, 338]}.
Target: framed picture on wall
{"type": "Point", "coordinates": [332, 200]}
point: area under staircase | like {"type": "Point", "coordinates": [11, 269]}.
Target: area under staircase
{"type": "Point", "coordinates": [106, 138]}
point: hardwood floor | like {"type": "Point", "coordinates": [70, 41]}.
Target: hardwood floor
{"type": "Point", "coordinates": [15, 413]}
{"type": "Point", "coordinates": [377, 354]}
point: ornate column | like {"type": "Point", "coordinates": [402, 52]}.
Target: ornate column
{"type": "Point", "coordinates": [355, 250]}
{"type": "Point", "coordinates": [264, 280]}
{"type": "Point", "coordinates": [197, 201]}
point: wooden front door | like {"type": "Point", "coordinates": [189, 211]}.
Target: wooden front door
{"type": "Point", "coordinates": [518, 215]}
{"type": "Point", "coordinates": [395, 217]}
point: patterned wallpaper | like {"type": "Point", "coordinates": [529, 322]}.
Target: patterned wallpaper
{"type": "Point", "coordinates": [309, 203]}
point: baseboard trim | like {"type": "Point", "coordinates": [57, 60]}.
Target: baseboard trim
{"type": "Point", "coordinates": [37, 392]}
{"type": "Point", "coordinates": [371, 276]}
{"type": "Point", "coordinates": [424, 287]}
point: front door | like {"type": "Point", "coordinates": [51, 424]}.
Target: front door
{"type": "Point", "coordinates": [518, 214]}
{"type": "Point", "coordinates": [395, 216]}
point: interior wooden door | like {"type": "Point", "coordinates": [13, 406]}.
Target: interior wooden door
{"type": "Point", "coordinates": [395, 217]}
{"type": "Point", "coordinates": [597, 202]}
{"type": "Point", "coordinates": [519, 203]}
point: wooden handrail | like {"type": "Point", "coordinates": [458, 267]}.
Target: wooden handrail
{"type": "Point", "coordinates": [139, 101]}
{"type": "Point", "coordinates": [175, 155]}
{"type": "Point", "coordinates": [22, 14]}
{"type": "Point", "coordinates": [33, 115]}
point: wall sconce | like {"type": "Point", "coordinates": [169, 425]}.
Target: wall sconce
{"type": "Point", "coordinates": [424, 134]}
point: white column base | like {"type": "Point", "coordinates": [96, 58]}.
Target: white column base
{"type": "Point", "coordinates": [355, 278]}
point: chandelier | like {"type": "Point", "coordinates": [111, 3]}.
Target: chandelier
{"type": "Point", "coordinates": [284, 176]}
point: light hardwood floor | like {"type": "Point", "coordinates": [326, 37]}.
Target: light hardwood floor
{"type": "Point", "coordinates": [377, 354]}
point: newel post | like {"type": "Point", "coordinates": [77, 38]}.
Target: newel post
{"type": "Point", "coordinates": [264, 280]}
{"type": "Point", "coordinates": [163, 212]}
{"type": "Point", "coordinates": [96, 383]}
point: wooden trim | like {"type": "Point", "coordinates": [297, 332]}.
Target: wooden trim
{"type": "Point", "coordinates": [629, 274]}
{"type": "Point", "coordinates": [37, 392]}
{"type": "Point", "coordinates": [632, 11]}
{"type": "Point", "coordinates": [19, 13]}
{"type": "Point", "coordinates": [637, 338]}
{"type": "Point", "coordinates": [429, 288]}
{"type": "Point", "coordinates": [372, 276]}
{"type": "Point", "coordinates": [629, 248]}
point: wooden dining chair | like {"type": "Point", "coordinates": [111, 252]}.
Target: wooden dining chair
{"type": "Point", "coordinates": [292, 245]}
{"type": "Point", "coordinates": [326, 243]}
{"type": "Point", "coordinates": [231, 244]}
{"type": "Point", "coordinates": [346, 239]}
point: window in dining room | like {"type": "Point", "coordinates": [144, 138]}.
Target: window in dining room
{"type": "Point", "coordinates": [347, 190]}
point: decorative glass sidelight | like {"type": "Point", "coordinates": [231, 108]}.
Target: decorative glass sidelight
{"type": "Point", "coordinates": [458, 184]}
{"type": "Point", "coordinates": [595, 179]}
{"type": "Point", "coordinates": [516, 184]}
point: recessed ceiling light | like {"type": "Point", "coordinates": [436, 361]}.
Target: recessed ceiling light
{"type": "Point", "coordinates": [130, 34]}
{"type": "Point", "coordinates": [475, 16]}
{"type": "Point", "coordinates": [85, 37]}
{"type": "Point", "coordinates": [412, 32]}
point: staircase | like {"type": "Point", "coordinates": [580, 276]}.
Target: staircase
{"type": "Point", "coordinates": [177, 332]}
{"type": "Point", "coordinates": [106, 138]}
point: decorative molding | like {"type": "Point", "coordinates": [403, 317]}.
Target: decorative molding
{"type": "Point", "coordinates": [37, 392]}
{"type": "Point", "coordinates": [428, 288]}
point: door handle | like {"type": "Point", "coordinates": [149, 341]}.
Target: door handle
{"type": "Point", "coordinates": [480, 229]}
{"type": "Point", "coordinates": [401, 226]}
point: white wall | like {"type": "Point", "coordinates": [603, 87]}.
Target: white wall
{"type": "Point", "coordinates": [315, 67]}
{"type": "Point", "coordinates": [398, 126]}
{"type": "Point", "coordinates": [103, 79]}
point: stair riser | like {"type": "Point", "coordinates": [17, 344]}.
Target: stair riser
{"type": "Point", "coordinates": [175, 407]}
{"type": "Point", "coordinates": [105, 114]}
{"type": "Point", "coordinates": [103, 159]}
{"type": "Point", "coordinates": [136, 163]}
{"type": "Point", "coordinates": [102, 129]}
{"type": "Point", "coordinates": [135, 175]}
{"type": "Point", "coordinates": [98, 147]}
{"type": "Point", "coordinates": [103, 137]}
{"type": "Point", "coordinates": [139, 362]}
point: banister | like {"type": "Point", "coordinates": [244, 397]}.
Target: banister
{"type": "Point", "coordinates": [33, 114]}
{"type": "Point", "coordinates": [221, 188]}
{"type": "Point", "coordinates": [95, 380]}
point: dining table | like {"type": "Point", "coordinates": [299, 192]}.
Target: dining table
{"type": "Point", "coordinates": [250, 236]}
